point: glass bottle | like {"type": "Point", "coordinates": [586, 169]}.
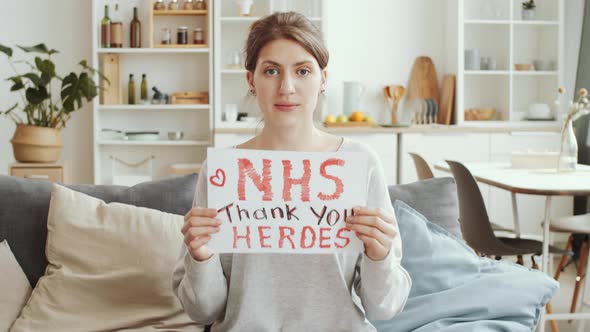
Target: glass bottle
{"type": "Point", "coordinates": [135, 28]}
{"type": "Point", "coordinates": [105, 29]}
{"type": "Point", "coordinates": [131, 91]}
{"type": "Point", "coordinates": [143, 94]}
{"type": "Point", "coordinates": [116, 29]}
{"type": "Point", "coordinates": [568, 152]}
{"type": "Point", "coordinates": [198, 36]}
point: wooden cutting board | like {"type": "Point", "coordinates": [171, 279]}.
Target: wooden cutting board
{"type": "Point", "coordinates": [423, 80]}
{"type": "Point", "coordinates": [111, 93]}
{"type": "Point", "coordinates": [445, 113]}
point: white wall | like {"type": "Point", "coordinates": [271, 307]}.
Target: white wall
{"type": "Point", "coordinates": [374, 42]}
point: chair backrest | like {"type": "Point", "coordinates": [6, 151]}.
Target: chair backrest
{"type": "Point", "coordinates": [473, 217]}
{"type": "Point", "coordinates": [422, 169]}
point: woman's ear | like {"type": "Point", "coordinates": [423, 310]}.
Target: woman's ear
{"type": "Point", "coordinates": [324, 80]}
{"type": "Point", "coordinates": [250, 79]}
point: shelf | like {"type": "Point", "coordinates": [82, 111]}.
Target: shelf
{"type": "Point", "coordinates": [177, 46]}
{"type": "Point", "coordinates": [519, 22]}
{"type": "Point", "coordinates": [239, 19]}
{"type": "Point", "coordinates": [155, 143]}
{"type": "Point", "coordinates": [180, 12]}
{"type": "Point", "coordinates": [534, 73]}
{"type": "Point", "coordinates": [159, 50]}
{"type": "Point", "coordinates": [499, 22]}
{"type": "Point", "coordinates": [234, 71]}
{"type": "Point", "coordinates": [153, 107]}
{"type": "Point", "coordinates": [487, 72]}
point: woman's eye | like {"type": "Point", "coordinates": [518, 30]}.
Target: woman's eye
{"type": "Point", "coordinates": [271, 71]}
{"type": "Point", "coordinates": [304, 72]}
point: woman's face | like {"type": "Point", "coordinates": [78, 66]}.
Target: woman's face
{"type": "Point", "coordinates": [287, 81]}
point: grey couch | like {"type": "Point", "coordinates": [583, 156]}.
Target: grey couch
{"type": "Point", "coordinates": [24, 205]}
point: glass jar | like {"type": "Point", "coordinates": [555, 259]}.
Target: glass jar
{"type": "Point", "coordinates": [200, 5]}
{"type": "Point", "coordinates": [166, 36]}
{"type": "Point", "coordinates": [159, 5]}
{"type": "Point", "coordinates": [173, 5]}
{"type": "Point", "coordinates": [199, 36]}
{"type": "Point", "coordinates": [182, 35]}
{"type": "Point", "coordinates": [188, 5]}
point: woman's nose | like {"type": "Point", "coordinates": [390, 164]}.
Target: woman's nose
{"type": "Point", "coordinates": [287, 85]}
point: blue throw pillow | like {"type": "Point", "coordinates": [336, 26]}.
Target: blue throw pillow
{"type": "Point", "coordinates": [455, 290]}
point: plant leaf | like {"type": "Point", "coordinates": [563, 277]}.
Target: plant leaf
{"type": "Point", "coordinates": [87, 87]}
{"type": "Point", "coordinates": [18, 83]}
{"type": "Point", "coordinates": [39, 48]}
{"type": "Point", "coordinates": [6, 50]}
{"type": "Point", "coordinates": [35, 79]}
{"type": "Point", "coordinates": [93, 71]}
{"type": "Point", "coordinates": [45, 66]}
{"type": "Point", "coordinates": [70, 91]}
{"type": "Point", "coordinates": [37, 95]}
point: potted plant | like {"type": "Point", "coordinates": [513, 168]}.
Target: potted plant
{"type": "Point", "coordinates": [37, 137]}
{"type": "Point", "coordinates": [528, 10]}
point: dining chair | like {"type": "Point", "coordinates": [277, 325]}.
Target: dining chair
{"type": "Point", "coordinates": [577, 226]}
{"type": "Point", "coordinates": [477, 228]}
{"type": "Point", "coordinates": [422, 169]}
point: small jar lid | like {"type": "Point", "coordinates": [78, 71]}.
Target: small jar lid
{"type": "Point", "coordinates": [182, 28]}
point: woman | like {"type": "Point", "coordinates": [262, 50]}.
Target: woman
{"type": "Point", "coordinates": [286, 62]}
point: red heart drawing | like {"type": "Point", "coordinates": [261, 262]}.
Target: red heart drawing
{"type": "Point", "coordinates": [218, 179]}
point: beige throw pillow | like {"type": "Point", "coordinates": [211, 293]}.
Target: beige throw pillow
{"type": "Point", "coordinates": [110, 268]}
{"type": "Point", "coordinates": [15, 287]}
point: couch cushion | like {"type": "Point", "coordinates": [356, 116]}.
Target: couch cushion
{"type": "Point", "coordinates": [15, 287]}
{"type": "Point", "coordinates": [455, 290]}
{"type": "Point", "coordinates": [436, 199]}
{"type": "Point", "coordinates": [110, 269]}
{"type": "Point", "coordinates": [24, 205]}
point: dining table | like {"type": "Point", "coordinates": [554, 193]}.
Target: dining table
{"type": "Point", "coordinates": [548, 182]}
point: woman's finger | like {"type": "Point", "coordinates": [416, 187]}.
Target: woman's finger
{"type": "Point", "coordinates": [199, 221]}
{"type": "Point", "coordinates": [200, 212]}
{"type": "Point", "coordinates": [371, 232]}
{"type": "Point", "coordinates": [374, 211]}
{"type": "Point", "coordinates": [373, 221]}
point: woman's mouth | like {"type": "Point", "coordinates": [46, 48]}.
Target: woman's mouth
{"type": "Point", "coordinates": [286, 107]}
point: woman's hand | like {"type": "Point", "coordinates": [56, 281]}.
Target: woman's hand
{"type": "Point", "coordinates": [376, 227]}
{"type": "Point", "coordinates": [199, 224]}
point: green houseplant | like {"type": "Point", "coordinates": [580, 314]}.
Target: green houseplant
{"type": "Point", "coordinates": [528, 10]}
{"type": "Point", "coordinates": [37, 137]}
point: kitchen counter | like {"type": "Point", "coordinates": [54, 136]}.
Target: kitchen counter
{"type": "Point", "coordinates": [414, 129]}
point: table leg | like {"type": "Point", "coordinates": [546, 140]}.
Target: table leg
{"type": "Point", "coordinates": [582, 322]}
{"type": "Point", "coordinates": [515, 219]}
{"type": "Point", "coordinates": [546, 239]}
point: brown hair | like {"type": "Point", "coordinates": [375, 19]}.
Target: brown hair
{"type": "Point", "coordinates": [288, 25]}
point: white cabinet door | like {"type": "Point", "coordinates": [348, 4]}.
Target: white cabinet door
{"type": "Point", "coordinates": [385, 145]}
{"type": "Point", "coordinates": [531, 208]}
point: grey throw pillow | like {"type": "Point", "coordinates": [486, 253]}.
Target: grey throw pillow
{"type": "Point", "coordinates": [24, 205]}
{"type": "Point", "coordinates": [436, 199]}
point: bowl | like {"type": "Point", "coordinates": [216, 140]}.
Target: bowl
{"type": "Point", "coordinates": [523, 66]}
{"type": "Point", "coordinates": [480, 114]}
{"type": "Point", "coordinates": [542, 65]}
{"type": "Point", "coordinates": [539, 111]}
{"type": "Point", "coordinates": [175, 135]}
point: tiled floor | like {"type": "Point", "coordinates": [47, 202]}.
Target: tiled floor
{"type": "Point", "coordinates": [563, 297]}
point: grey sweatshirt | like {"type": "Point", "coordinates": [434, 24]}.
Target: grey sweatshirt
{"type": "Point", "coordinates": [290, 292]}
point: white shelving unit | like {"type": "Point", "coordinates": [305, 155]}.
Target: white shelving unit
{"type": "Point", "coordinates": [170, 69]}
{"type": "Point", "coordinates": [496, 29]}
{"type": "Point", "coordinates": [230, 36]}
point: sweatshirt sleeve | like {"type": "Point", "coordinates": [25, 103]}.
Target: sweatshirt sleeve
{"type": "Point", "coordinates": [201, 287]}
{"type": "Point", "coordinates": [383, 286]}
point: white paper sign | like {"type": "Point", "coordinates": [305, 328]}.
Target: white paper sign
{"type": "Point", "coordinates": [285, 202]}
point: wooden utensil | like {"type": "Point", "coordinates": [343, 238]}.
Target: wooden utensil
{"type": "Point", "coordinates": [447, 100]}
{"type": "Point", "coordinates": [423, 80]}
